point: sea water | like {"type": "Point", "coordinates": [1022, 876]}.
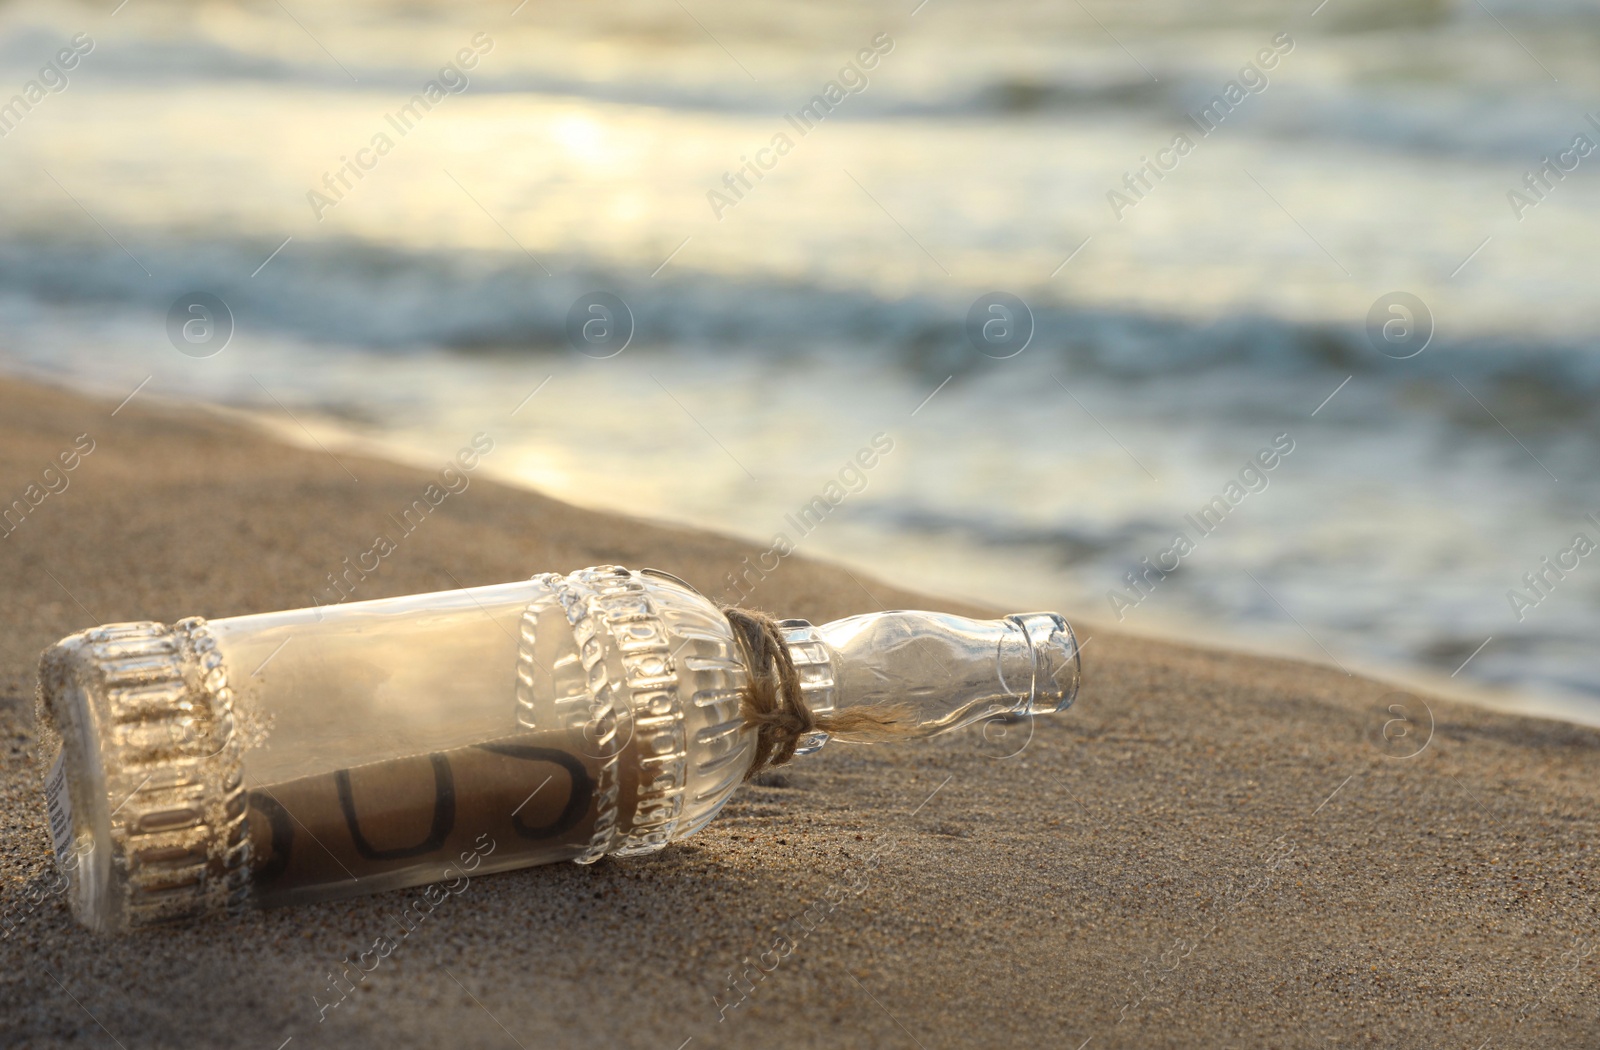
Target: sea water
{"type": "Point", "coordinates": [1208, 285]}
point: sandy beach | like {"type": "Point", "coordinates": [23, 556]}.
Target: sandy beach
{"type": "Point", "coordinates": [1207, 850]}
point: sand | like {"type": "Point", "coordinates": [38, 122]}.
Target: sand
{"type": "Point", "coordinates": [1208, 850]}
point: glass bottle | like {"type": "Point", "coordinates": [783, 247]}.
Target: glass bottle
{"type": "Point", "coordinates": [301, 756]}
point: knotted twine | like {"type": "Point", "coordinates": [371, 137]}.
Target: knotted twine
{"type": "Point", "coordinates": [775, 707]}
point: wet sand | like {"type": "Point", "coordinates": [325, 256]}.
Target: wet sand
{"type": "Point", "coordinates": [1207, 850]}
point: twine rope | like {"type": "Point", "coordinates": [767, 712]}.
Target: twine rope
{"type": "Point", "coordinates": [774, 705]}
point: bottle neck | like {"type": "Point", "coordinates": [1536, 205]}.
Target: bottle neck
{"type": "Point", "coordinates": [948, 671]}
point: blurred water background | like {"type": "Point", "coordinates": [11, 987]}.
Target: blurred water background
{"type": "Point", "coordinates": [1177, 331]}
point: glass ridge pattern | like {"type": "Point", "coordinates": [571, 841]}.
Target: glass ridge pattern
{"type": "Point", "coordinates": [172, 772]}
{"type": "Point", "coordinates": [590, 705]}
{"type": "Point", "coordinates": [681, 673]}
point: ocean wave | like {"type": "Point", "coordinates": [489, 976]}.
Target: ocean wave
{"type": "Point", "coordinates": [1442, 114]}
{"type": "Point", "coordinates": [361, 295]}
{"type": "Point", "coordinates": [159, 63]}
{"type": "Point", "coordinates": [1065, 545]}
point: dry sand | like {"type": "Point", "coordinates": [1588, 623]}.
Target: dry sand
{"type": "Point", "coordinates": [1208, 850]}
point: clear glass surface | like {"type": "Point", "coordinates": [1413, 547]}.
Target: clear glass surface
{"type": "Point", "coordinates": [300, 756]}
{"type": "Point", "coordinates": [391, 753]}
{"type": "Point", "coordinates": [953, 670]}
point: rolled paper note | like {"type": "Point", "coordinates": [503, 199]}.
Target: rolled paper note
{"type": "Point", "coordinates": [302, 756]}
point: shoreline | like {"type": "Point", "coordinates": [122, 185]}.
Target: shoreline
{"type": "Point", "coordinates": [1575, 708]}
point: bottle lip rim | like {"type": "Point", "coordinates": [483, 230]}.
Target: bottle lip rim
{"type": "Point", "coordinates": [1039, 628]}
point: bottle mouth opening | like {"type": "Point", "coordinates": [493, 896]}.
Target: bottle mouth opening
{"type": "Point", "coordinates": [1057, 661]}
